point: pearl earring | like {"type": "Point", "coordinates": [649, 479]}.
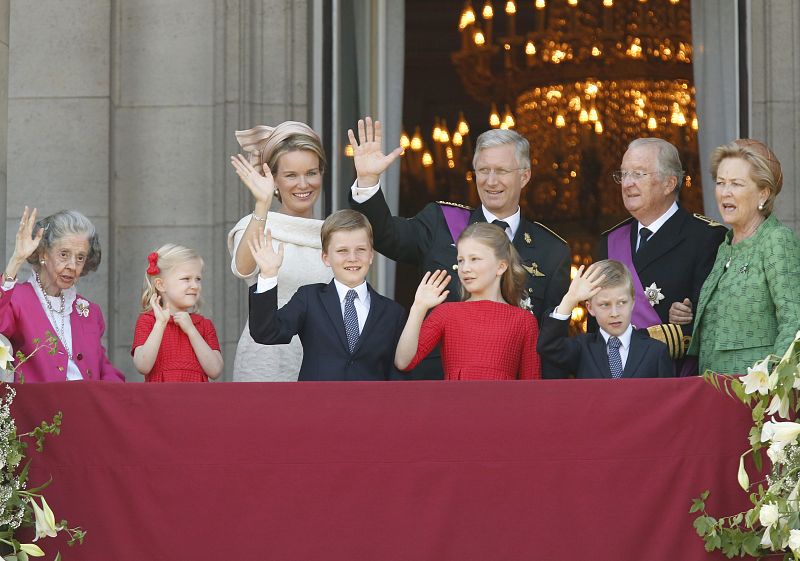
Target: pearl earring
{"type": "Point", "coordinates": [277, 193]}
{"type": "Point", "coordinates": [41, 262]}
{"type": "Point", "coordinates": [760, 206]}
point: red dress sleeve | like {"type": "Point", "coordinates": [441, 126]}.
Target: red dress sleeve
{"type": "Point", "coordinates": [530, 367]}
{"type": "Point", "coordinates": [144, 325]}
{"type": "Point", "coordinates": [210, 334]}
{"type": "Point", "coordinates": [430, 334]}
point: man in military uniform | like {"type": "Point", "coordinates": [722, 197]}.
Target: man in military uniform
{"type": "Point", "coordinates": [671, 251]}
{"type": "Point", "coordinates": [502, 169]}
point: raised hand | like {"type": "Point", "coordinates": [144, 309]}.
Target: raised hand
{"type": "Point", "coordinates": [26, 242]}
{"type": "Point", "coordinates": [261, 186]}
{"type": "Point", "coordinates": [681, 312]}
{"type": "Point", "coordinates": [161, 314]}
{"type": "Point", "coordinates": [584, 286]}
{"type": "Point", "coordinates": [432, 290]}
{"type": "Point", "coordinates": [268, 260]}
{"type": "Point", "coordinates": [368, 157]}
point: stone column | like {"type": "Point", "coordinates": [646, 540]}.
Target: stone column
{"type": "Point", "coordinates": [775, 102]}
{"type": "Point", "coordinates": [4, 15]}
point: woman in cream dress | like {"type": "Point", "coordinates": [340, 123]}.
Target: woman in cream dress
{"type": "Point", "coordinates": [286, 162]}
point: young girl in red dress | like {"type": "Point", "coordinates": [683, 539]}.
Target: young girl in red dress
{"type": "Point", "coordinates": [171, 343]}
{"type": "Point", "coordinates": [487, 336]}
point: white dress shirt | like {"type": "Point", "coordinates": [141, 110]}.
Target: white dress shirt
{"type": "Point", "coordinates": [656, 224]}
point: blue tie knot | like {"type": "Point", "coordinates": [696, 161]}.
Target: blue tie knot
{"type": "Point", "coordinates": [350, 296]}
{"type": "Point", "coordinates": [614, 342]}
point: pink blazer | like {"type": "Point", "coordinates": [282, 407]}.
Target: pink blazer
{"type": "Point", "coordinates": [22, 319]}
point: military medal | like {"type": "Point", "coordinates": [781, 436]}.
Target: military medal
{"type": "Point", "coordinates": [534, 270]}
{"type": "Point", "coordinates": [527, 237]}
{"type": "Point", "coordinates": [653, 294]}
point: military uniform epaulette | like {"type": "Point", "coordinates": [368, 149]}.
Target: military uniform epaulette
{"type": "Point", "coordinates": [617, 226]}
{"type": "Point", "coordinates": [552, 232]}
{"type": "Point", "coordinates": [458, 205]}
{"type": "Point", "coordinates": [707, 220]}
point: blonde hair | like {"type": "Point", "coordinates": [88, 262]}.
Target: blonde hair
{"type": "Point", "coordinates": [168, 256]}
{"type": "Point", "coordinates": [765, 168]}
{"type": "Point", "coordinates": [617, 274]}
{"type": "Point", "coordinates": [343, 220]}
{"type": "Point", "coordinates": [512, 282]}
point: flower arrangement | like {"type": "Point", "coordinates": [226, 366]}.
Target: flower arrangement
{"type": "Point", "coordinates": [21, 506]}
{"type": "Point", "coordinates": [770, 389]}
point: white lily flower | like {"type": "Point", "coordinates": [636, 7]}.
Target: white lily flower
{"type": "Point", "coordinates": [744, 480]}
{"type": "Point", "coordinates": [779, 405]}
{"type": "Point", "coordinates": [768, 515]}
{"type": "Point", "coordinates": [757, 378]}
{"type": "Point", "coordinates": [6, 352]}
{"type": "Point", "coordinates": [32, 549]}
{"type": "Point", "coordinates": [776, 453]}
{"type": "Point", "coordinates": [785, 431]}
{"type": "Point", "coordinates": [45, 520]}
{"type": "Point", "coordinates": [794, 540]}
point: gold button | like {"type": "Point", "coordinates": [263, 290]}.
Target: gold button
{"type": "Point", "coordinates": [530, 291]}
{"type": "Point", "coordinates": [61, 369]}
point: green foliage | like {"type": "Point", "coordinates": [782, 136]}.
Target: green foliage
{"type": "Point", "coordinates": [770, 387]}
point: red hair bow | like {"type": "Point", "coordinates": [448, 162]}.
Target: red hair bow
{"type": "Point", "coordinates": [153, 268]}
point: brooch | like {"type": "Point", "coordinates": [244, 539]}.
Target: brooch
{"type": "Point", "coordinates": [82, 307]}
{"type": "Point", "coordinates": [653, 294]}
{"type": "Point", "coordinates": [533, 269]}
{"type": "Point", "coordinates": [527, 237]}
{"type": "Point", "coordinates": [744, 268]}
{"type": "Point", "coordinates": [526, 303]}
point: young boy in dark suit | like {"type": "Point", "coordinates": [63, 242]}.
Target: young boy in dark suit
{"type": "Point", "coordinates": [348, 331]}
{"type": "Point", "coordinates": [617, 350]}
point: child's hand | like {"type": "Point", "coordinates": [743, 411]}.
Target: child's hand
{"type": "Point", "coordinates": [431, 291]}
{"type": "Point", "coordinates": [261, 186]}
{"type": "Point", "coordinates": [268, 261]}
{"type": "Point", "coordinates": [161, 314]}
{"type": "Point", "coordinates": [184, 321]}
{"type": "Point", "coordinates": [583, 287]}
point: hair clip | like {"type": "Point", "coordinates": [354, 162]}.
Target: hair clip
{"type": "Point", "coordinates": [153, 268]}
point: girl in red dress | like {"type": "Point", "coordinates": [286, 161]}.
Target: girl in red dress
{"type": "Point", "coordinates": [487, 336]}
{"type": "Point", "coordinates": [171, 343]}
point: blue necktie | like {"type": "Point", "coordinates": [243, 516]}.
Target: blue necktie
{"type": "Point", "coordinates": [644, 235]}
{"type": "Point", "coordinates": [614, 358]}
{"type": "Point", "coordinates": [351, 319]}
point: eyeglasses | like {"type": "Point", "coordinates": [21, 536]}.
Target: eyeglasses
{"type": "Point", "coordinates": [499, 172]}
{"type": "Point", "coordinates": [620, 176]}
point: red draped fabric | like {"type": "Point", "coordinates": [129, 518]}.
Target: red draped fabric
{"type": "Point", "coordinates": [392, 471]}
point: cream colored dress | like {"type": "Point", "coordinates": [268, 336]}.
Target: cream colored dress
{"type": "Point", "coordinates": [301, 265]}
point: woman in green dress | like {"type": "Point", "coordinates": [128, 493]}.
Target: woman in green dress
{"type": "Point", "coordinates": [749, 305]}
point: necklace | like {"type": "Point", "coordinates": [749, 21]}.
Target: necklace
{"type": "Point", "coordinates": [60, 333]}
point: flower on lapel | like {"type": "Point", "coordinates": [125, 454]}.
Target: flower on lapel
{"type": "Point", "coordinates": [82, 307]}
{"type": "Point", "coordinates": [653, 294]}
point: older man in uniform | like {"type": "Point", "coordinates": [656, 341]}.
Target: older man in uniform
{"type": "Point", "coordinates": [502, 169]}
{"type": "Point", "coordinates": [669, 251]}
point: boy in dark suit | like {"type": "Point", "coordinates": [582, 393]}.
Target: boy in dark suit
{"type": "Point", "coordinates": [348, 331]}
{"type": "Point", "coordinates": [617, 350]}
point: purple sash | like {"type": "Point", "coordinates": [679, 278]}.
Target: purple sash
{"type": "Point", "coordinates": [456, 218]}
{"type": "Point", "coordinates": [619, 248]}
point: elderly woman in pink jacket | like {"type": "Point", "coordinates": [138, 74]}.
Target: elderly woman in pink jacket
{"type": "Point", "coordinates": [60, 248]}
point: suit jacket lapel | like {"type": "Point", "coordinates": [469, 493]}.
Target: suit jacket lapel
{"type": "Point", "coordinates": [635, 355]}
{"type": "Point", "coordinates": [330, 301]}
{"type": "Point", "coordinates": [667, 237]}
{"type": "Point", "coordinates": [597, 348]}
{"type": "Point", "coordinates": [477, 216]}
{"type": "Point", "coordinates": [377, 305]}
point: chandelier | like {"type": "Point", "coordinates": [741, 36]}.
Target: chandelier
{"type": "Point", "coordinates": [581, 79]}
